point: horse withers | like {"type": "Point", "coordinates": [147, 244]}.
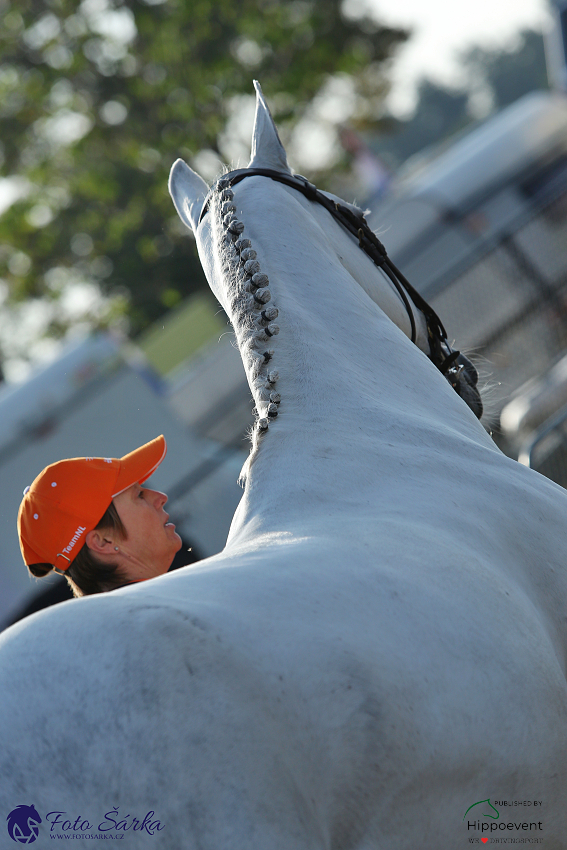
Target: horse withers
{"type": "Point", "coordinates": [380, 645]}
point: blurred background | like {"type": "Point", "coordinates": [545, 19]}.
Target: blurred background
{"type": "Point", "coordinates": [449, 123]}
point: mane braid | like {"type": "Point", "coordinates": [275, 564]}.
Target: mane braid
{"type": "Point", "coordinates": [249, 297]}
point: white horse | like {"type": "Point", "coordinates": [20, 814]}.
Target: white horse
{"type": "Point", "coordinates": [382, 642]}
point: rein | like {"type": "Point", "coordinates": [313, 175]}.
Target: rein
{"type": "Point", "coordinates": [457, 368]}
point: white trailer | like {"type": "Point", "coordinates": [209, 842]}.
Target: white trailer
{"type": "Point", "coordinates": [97, 400]}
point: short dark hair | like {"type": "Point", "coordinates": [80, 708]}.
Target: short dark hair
{"type": "Point", "coordinates": [86, 574]}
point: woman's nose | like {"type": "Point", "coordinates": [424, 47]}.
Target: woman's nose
{"type": "Point", "coordinates": [160, 499]}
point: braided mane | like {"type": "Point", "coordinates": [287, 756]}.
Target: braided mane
{"type": "Point", "coordinates": [251, 314]}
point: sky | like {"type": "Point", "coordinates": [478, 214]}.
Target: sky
{"type": "Point", "coordinates": [442, 28]}
{"type": "Point", "coordinates": [441, 31]}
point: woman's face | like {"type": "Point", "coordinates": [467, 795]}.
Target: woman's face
{"type": "Point", "coordinates": [151, 541]}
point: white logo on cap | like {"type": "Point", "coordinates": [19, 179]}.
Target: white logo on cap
{"type": "Point", "coordinates": [74, 538]}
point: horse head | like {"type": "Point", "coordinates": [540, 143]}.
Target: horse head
{"type": "Point", "coordinates": [231, 264]}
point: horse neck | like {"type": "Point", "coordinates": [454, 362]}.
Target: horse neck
{"type": "Point", "coordinates": [356, 394]}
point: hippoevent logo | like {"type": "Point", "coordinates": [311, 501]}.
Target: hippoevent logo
{"type": "Point", "coordinates": [23, 825]}
{"type": "Point", "coordinates": [486, 818]}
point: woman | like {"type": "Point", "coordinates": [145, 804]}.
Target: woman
{"type": "Point", "coordinates": [91, 520]}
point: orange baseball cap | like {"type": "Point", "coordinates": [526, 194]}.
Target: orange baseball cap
{"type": "Point", "coordinates": [69, 498]}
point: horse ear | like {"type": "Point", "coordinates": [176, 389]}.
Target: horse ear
{"type": "Point", "coordinates": [267, 149]}
{"type": "Point", "coordinates": [188, 192]}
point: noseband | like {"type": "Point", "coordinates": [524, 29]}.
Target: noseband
{"type": "Point", "coordinates": [457, 368]}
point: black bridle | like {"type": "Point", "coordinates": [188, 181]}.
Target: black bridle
{"type": "Point", "coordinates": [457, 368]}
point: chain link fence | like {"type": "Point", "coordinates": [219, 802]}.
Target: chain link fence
{"type": "Point", "coordinates": [506, 304]}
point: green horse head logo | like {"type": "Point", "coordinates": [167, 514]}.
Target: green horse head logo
{"type": "Point", "coordinates": [484, 814]}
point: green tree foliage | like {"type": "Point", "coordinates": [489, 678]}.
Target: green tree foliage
{"type": "Point", "coordinates": [507, 74]}
{"type": "Point", "coordinates": [499, 75]}
{"type": "Point", "coordinates": [440, 112]}
{"type": "Point", "coordinates": [97, 99]}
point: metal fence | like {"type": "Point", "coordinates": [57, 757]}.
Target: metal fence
{"type": "Point", "coordinates": [546, 450]}
{"type": "Point", "coordinates": [506, 302]}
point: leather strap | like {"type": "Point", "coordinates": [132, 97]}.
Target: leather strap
{"type": "Point", "coordinates": [440, 352]}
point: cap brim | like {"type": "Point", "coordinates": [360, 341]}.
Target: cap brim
{"type": "Point", "coordinates": [137, 466]}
